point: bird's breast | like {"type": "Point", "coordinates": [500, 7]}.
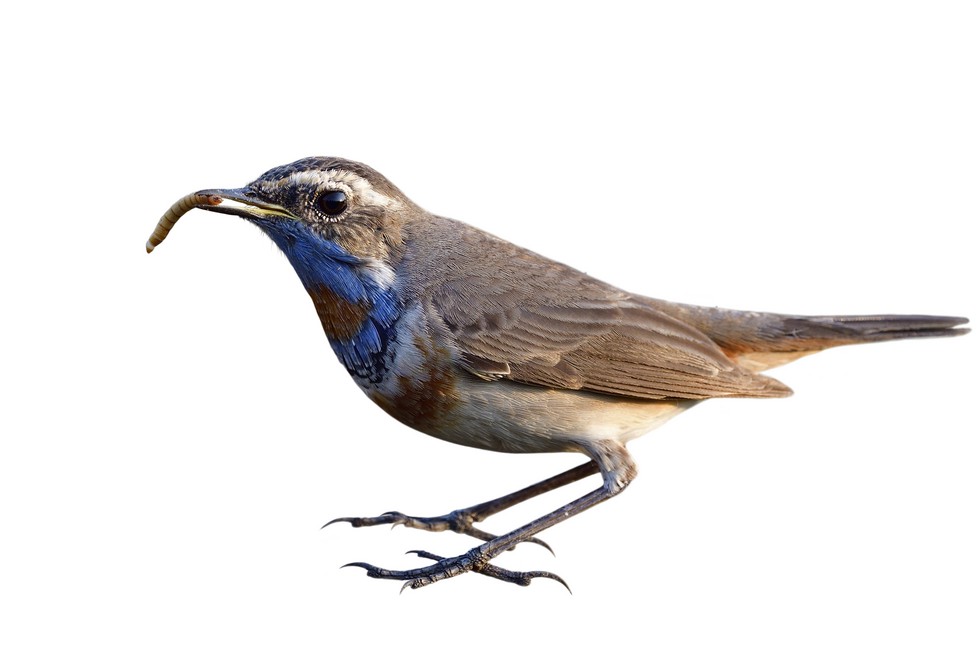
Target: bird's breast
{"type": "Point", "coordinates": [419, 387]}
{"type": "Point", "coordinates": [361, 332]}
{"type": "Point", "coordinates": [341, 319]}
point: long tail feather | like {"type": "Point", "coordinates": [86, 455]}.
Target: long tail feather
{"type": "Point", "coordinates": [760, 341]}
{"type": "Point", "coordinates": [863, 329]}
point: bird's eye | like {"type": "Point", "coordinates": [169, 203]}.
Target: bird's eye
{"type": "Point", "coordinates": [332, 203]}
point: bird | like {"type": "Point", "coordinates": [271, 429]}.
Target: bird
{"type": "Point", "coordinates": [472, 339]}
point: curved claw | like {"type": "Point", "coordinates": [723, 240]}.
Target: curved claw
{"type": "Point", "coordinates": [547, 575]}
{"type": "Point", "coordinates": [390, 517]}
{"type": "Point", "coordinates": [355, 564]}
{"type": "Point", "coordinates": [538, 541]}
{"type": "Point", "coordinates": [374, 571]}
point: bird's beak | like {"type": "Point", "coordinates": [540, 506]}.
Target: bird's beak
{"type": "Point", "coordinates": [243, 202]}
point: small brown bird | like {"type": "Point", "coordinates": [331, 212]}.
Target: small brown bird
{"type": "Point", "coordinates": [474, 340]}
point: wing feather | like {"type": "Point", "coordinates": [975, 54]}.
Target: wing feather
{"type": "Point", "coordinates": [522, 317]}
{"type": "Point", "coordinates": [622, 348]}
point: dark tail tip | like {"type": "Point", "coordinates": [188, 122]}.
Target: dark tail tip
{"type": "Point", "coordinates": [859, 329]}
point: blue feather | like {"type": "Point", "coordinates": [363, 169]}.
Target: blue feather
{"type": "Point", "coordinates": [321, 263]}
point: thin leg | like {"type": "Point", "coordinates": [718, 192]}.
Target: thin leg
{"type": "Point", "coordinates": [618, 470]}
{"type": "Point", "coordinates": [461, 521]}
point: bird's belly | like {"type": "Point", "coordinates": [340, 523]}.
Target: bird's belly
{"type": "Point", "coordinates": [511, 417]}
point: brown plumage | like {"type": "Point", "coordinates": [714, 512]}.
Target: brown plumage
{"type": "Point", "coordinates": [477, 341]}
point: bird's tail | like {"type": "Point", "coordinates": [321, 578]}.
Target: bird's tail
{"type": "Point", "coordinates": [759, 341]}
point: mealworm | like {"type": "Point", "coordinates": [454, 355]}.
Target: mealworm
{"type": "Point", "coordinates": [179, 208]}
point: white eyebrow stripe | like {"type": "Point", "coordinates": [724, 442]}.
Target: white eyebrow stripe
{"type": "Point", "coordinates": [347, 181]}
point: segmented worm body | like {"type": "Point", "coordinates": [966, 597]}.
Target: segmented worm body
{"type": "Point", "coordinates": [179, 208]}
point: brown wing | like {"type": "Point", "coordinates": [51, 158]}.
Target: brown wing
{"type": "Point", "coordinates": [563, 329]}
{"type": "Point", "coordinates": [620, 349]}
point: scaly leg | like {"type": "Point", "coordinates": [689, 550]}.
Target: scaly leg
{"type": "Point", "coordinates": [461, 521]}
{"type": "Point", "coordinates": [617, 471]}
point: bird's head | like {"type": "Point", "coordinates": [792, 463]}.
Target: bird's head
{"type": "Point", "coordinates": [340, 225]}
{"type": "Point", "coordinates": [325, 212]}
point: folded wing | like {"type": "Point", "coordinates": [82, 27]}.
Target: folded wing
{"type": "Point", "coordinates": [593, 337]}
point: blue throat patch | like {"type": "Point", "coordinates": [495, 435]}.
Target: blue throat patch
{"type": "Point", "coordinates": [323, 264]}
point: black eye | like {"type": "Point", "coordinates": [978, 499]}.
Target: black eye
{"type": "Point", "coordinates": [332, 203]}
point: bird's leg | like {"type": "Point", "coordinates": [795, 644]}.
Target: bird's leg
{"type": "Point", "coordinates": [617, 471]}
{"type": "Point", "coordinates": [461, 521]}
{"type": "Point", "coordinates": [490, 570]}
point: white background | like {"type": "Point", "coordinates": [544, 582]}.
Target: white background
{"type": "Point", "coordinates": [175, 428]}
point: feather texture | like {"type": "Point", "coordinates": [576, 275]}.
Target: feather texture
{"type": "Point", "coordinates": [543, 323]}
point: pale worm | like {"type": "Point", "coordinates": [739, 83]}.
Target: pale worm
{"type": "Point", "coordinates": [179, 208]}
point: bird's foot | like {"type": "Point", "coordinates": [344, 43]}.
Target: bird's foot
{"type": "Point", "coordinates": [461, 521]}
{"type": "Point", "coordinates": [475, 560]}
